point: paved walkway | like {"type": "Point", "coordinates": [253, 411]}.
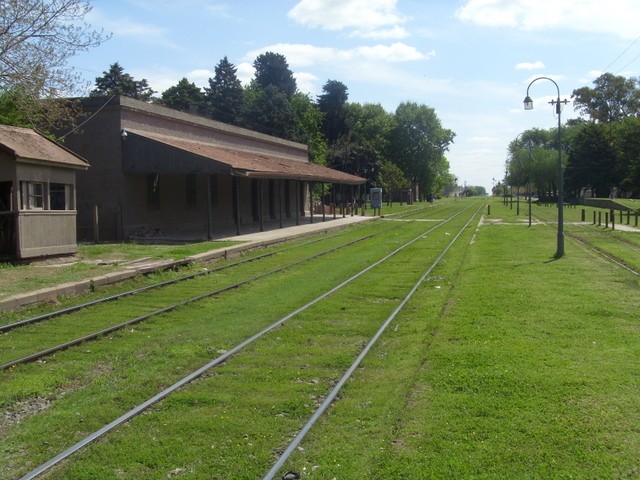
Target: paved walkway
{"type": "Point", "coordinates": [253, 238]}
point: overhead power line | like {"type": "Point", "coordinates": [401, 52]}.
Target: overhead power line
{"type": "Point", "coordinates": [619, 56]}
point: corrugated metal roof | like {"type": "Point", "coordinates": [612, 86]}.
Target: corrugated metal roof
{"type": "Point", "coordinates": [26, 144]}
{"type": "Point", "coordinates": [252, 164]}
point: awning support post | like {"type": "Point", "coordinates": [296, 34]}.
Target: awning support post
{"type": "Point", "coordinates": [209, 210]}
{"type": "Point", "coordinates": [311, 201]}
{"type": "Point", "coordinates": [260, 206]}
{"type": "Point", "coordinates": [280, 182]}
{"type": "Point", "coordinates": [237, 201]}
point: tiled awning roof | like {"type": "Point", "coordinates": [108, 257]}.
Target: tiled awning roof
{"type": "Point", "coordinates": [255, 164]}
{"type": "Point", "coordinates": [27, 145]}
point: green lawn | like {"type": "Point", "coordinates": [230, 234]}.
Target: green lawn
{"type": "Point", "coordinates": [506, 364]}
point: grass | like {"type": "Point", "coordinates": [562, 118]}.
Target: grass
{"type": "Point", "coordinates": [505, 364]}
{"type": "Point", "coordinates": [525, 371]}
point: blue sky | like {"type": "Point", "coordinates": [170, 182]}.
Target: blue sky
{"type": "Point", "coordinates": [470, 60]}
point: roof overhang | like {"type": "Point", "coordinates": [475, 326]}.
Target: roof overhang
{"type": "Point", "coordinates": [152, 152]}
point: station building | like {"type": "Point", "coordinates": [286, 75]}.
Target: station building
{"type": "Point", "coordinates": [159, 172]}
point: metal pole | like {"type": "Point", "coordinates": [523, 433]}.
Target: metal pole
{"type": "Point", "coordinates": [529, 185]}
{"type": "Point", "coordinates": [560, 249]}
{"type": "Point", "coordinates": [528, 106]}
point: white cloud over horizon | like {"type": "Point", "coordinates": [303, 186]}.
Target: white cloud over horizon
{"type": "Point", "coordinates": [367, 18]}
{"type": "Point", "coordinates": [614, 17]}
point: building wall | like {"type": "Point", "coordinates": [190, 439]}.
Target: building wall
{"type": "Point", "coordinates": [46, 232]}
{"type": "Point", "coordinates": [101, 187]}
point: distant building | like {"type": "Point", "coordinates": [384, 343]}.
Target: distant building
{"type": "Point", "coordinates": [37, 195]}
{"type": "Point", "coordinates": [157, 171]}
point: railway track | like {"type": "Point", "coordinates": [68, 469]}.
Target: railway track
{"type": "Point", "coordinates": [397, 252]}
{"type": "Point", "coordinates": [74, 308]}
{"type": "Point", "coordinates": [616, 260]}
{"type": "Point", "coordinates": [101, 332]}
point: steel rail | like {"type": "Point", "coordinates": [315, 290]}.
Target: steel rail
{"type": "Point", "coordinates": [219, 360]}
{"type": "Point", "coordinates": [603, 253]}
{"type": "Point", "coordinates": [336, 389]}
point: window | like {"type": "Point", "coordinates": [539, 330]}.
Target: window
{"type": "Point", "coordinates": [190, 188]}
{"type": "Point", "coordinates": [32, 197]}
{"type": "Point", "coordinates": [59, 196]}
{"type": "Point", "coordinates": [5, 196]}
{"type": "Point", "coordinates": [153, 191]}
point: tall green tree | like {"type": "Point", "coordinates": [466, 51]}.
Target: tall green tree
{"type": "Point", "coordinates": [332, 104]}
{"type": "Point", "coordinates": [591, 162]}
{"type": "Point", "coordinates": [37, 38]}
{"type": "Point", "coordinates": [369, 127]}
{"type": "Point", "coordinates": [418, 143]}
{"type": "Point", "coordinates": [225, 94]}
{"type": "Point", "coordinates": [184, 96]}
{"type": "Point", "coordinates": [627, 145]}
{"type": "Point", "coordinates": [610, 100]}
{"type": "Point", "coordinates": [268, 110]}
{"type": "Point", "coordinates": [273, 70]}
{"type": "Point", "coordinates": [268, 98]}
{"type": "Point", "coordinates": [116, 82]}
{"type": "Point", "coordinates": [308, 127]}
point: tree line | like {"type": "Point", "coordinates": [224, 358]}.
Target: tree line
{"type": "Point", "coordinates": [600, 150]}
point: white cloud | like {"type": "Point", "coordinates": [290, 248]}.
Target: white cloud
{"type": "Point", "coordinates": [302, 55]}
{"type": "Point", "coordinates": [245, 72]}
{"type": "Point", "coordinates": [396, 32]}
{"type": "Point", "coordinates": [127, 28]}
{"type": "Point", "coordinates": [306, 83]}
{"type": "Point", "coordinates": [539, 65]}
{"type": "Point", "coordinates": [200, 77]}
{"type": "Point", "coordinates": [617, 17]}
{"type": "Point", "coordinates": [367, 18]}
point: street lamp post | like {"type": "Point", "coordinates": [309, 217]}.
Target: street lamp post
{"type": "Point", "coordinates": [528, 105]}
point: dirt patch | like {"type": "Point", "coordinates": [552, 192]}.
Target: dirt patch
{"type": "Point", "coordinates": [22, 410]}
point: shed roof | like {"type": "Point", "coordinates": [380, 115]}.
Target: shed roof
{"type": "Point", "coordinates": [27, 145]}
{"type": "Point", "coordinates": [254, 164]}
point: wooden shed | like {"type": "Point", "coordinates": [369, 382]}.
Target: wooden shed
{"type": "Point", "coordinates": [37, 195]}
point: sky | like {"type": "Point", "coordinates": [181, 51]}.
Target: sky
{"type": "Point", "coordinates": [472, 61]}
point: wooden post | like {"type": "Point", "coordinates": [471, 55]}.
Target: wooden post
{"type": "Point", "coordinates": [488, 209]}
{"type": "Point", "coordinates": [613, 221]}
{"type": "Point", "coordinates": [584, 214]}
{"type": "Point", "coordinates": [599, 218]}
{"type": "Point", "coordinates": [606, 219]}
{"type": "Point", "coordinates": [96, 225]}
{"type": "Point", "coordinates": [594, 217]}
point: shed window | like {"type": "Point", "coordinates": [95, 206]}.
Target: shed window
{"type": "Point", "coordinates": [32, 195]}
{"type": "Point", "coordinates": [60, 197]}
